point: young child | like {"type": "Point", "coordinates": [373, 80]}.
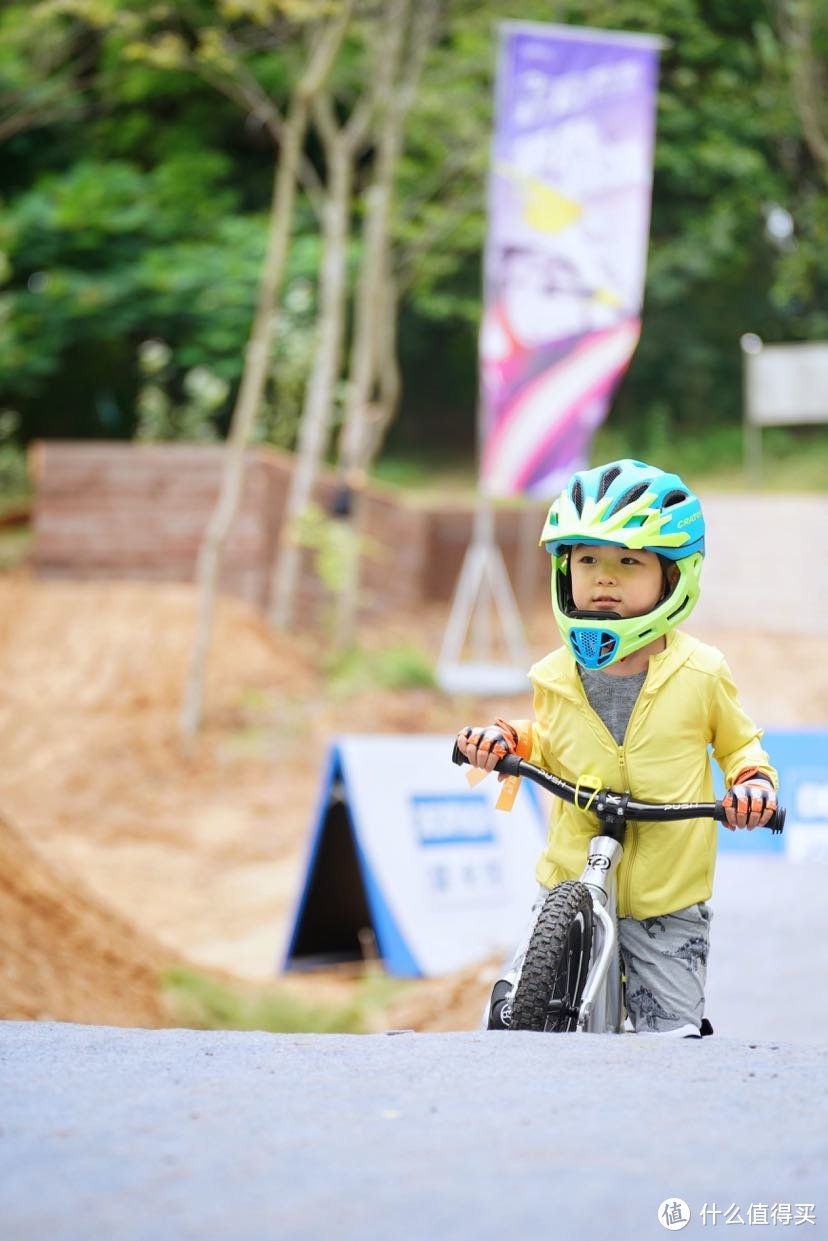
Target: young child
{"type": "Point", "coordinates": [631, 701]}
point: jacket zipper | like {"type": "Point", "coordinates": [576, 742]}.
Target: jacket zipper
{"type": "Point", "coordinates": [631, 839]}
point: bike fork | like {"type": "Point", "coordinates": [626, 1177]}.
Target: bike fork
{"type": "Point", "coordinates": [601, 1007]}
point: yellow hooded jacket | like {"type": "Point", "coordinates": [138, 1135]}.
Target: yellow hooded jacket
{"type": "Point", "coordinates": [688, 701]}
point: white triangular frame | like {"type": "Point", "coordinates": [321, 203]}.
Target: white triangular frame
{"type": "Point", "coordinates": [483, 578]}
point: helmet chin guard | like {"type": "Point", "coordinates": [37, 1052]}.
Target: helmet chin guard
{"type": "Point", "coordinates": [593, 648]}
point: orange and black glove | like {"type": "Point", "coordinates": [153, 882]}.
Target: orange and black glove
{"type": "Point", "coordinates": [485, 747]}
{"type": "Point", "coordinates": [750, 801]}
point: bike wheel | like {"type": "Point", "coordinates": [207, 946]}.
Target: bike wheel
{"type": "Point", "coordinates": [555, 968]}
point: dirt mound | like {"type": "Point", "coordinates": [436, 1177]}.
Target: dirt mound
{"type": "Point", "coordinates": [63, 955]}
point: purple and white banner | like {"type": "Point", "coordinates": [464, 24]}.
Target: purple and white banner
{"type": "Point", "coordinates": [566, 251]}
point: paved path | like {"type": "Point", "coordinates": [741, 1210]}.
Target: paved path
{"type": "Point", "coordinates": [769, 949]}
{"type": "Point", "coordinates": [129, 1135]}
{"type": "Point", "coordinates": [745, 534]}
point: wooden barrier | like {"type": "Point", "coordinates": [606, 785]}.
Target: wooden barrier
{"type": "Point", "coordinates": [121, 510]}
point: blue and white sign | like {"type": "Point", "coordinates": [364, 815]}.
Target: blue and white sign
{"type": "Point", "coordinates": [807, 829]}
{"type": "Point", "coordinates": [442, 878]}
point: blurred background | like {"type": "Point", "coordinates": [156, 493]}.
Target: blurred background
{"type": "Point", "coordinates": [241, 277]}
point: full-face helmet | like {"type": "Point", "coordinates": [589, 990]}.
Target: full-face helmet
{"type": "Point", "coordinates": [625, 504]}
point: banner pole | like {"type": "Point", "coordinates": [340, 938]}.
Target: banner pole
{"type": "Point", "coordinates": [482, 538]}
{"type": "Point", "coordinates": [483, 593]}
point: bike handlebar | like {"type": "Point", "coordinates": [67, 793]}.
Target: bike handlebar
{"type": "Point", "coordinates": [608, 803]}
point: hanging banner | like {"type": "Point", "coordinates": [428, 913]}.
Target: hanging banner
{"type": "Point", "coordinates": [566, 250]}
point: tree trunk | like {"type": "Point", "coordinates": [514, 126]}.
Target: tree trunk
{"type": "Point", "coordinates": [372, 372]}
{"type": "Point", "coordinates": [257, 354]}
{"type": "Point", "coordinates": [808, 88]}
{"type": "Point", "coordinates": [314, 428]}
{"type": "Point", "coordinates": [341, 148]}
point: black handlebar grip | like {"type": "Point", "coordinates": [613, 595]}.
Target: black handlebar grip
{"type": "Point", "coordinates": [508, 765]}
{"type": "Point", "coordinates": [776, 822]}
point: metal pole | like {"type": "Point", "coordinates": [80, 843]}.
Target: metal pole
{"type": "Point", "coordinates": [751, 346]}
{"type": "Point", "coordinates": [483, 541]}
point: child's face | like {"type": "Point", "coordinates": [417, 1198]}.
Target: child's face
{"type": "Point", "coordinates": [615, 579]}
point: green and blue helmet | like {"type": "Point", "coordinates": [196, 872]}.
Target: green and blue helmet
{"type": "Point", "coordinates": [625, 504]}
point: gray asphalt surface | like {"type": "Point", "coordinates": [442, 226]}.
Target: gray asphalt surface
{"type": "Point", "coordinates": [769, 949]}
{"type": "Point", "coordinates": [156, 1135]}
{"type": "Point", "coordinates": [131, 1135]}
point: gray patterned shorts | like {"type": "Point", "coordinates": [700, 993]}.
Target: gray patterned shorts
{"type": "Point", "coordinates": [665, 963]}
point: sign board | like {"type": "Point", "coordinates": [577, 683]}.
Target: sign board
{"type": "Point", "coordinates": [801, 758]}
{"type": "Point", "coordinates": [404, 847]}
{"type": "Point", "coordinates": [785, 383]}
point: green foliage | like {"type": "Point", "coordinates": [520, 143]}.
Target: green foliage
{"type": "Point", "coordinates": [393, 667]}
{"type": "Point", "coordinates": [113, 255]}
{"type": "Point", "coordinates": [14, 544]}
{"type": "Point", "coordinates": [795, 458]}
{"type": "Point", "coordinates": [160, 417]}
{"type": "Point", "coordinates": [335, 545]}
{"type": "Point", "coordinates": [109, 253]}
{"type": "Point", "coordinates": [14, 474]}
{"type": "Point", "coordinates": [295, 338]}
{"type": "Point", "coordinates": [201, 1001]}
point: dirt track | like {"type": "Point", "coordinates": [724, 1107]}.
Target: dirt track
{"type": "Point", "coordinates": [202, 851]}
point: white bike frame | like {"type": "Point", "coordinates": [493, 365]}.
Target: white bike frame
{"type": "Point", "coordinates": [601, 1010]}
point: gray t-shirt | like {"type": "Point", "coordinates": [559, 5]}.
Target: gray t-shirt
{"type": "Point", "coordinates": [613, 698]}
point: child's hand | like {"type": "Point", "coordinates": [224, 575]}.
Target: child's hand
{"type": "Point", "coordinates": [749, 804]}
{"type": "Point", "coordinates": [485, 747]}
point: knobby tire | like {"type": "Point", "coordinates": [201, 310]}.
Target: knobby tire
{"type": "Point", "coordinates": [554, 972]}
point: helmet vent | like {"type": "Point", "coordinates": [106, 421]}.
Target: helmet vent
{"type": "Point", "coordinates": [607, 479]}
{"type": "Point", "coordinates": [578, 496]}
{"type": "Point", "coordinates": [676, 612]}
{"type": "Point", "coordinates": [674, 497]}
{"type": "Point", "coordinates": [629, 497]}
{"type": "Point", "coordinates": [593, 648]}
